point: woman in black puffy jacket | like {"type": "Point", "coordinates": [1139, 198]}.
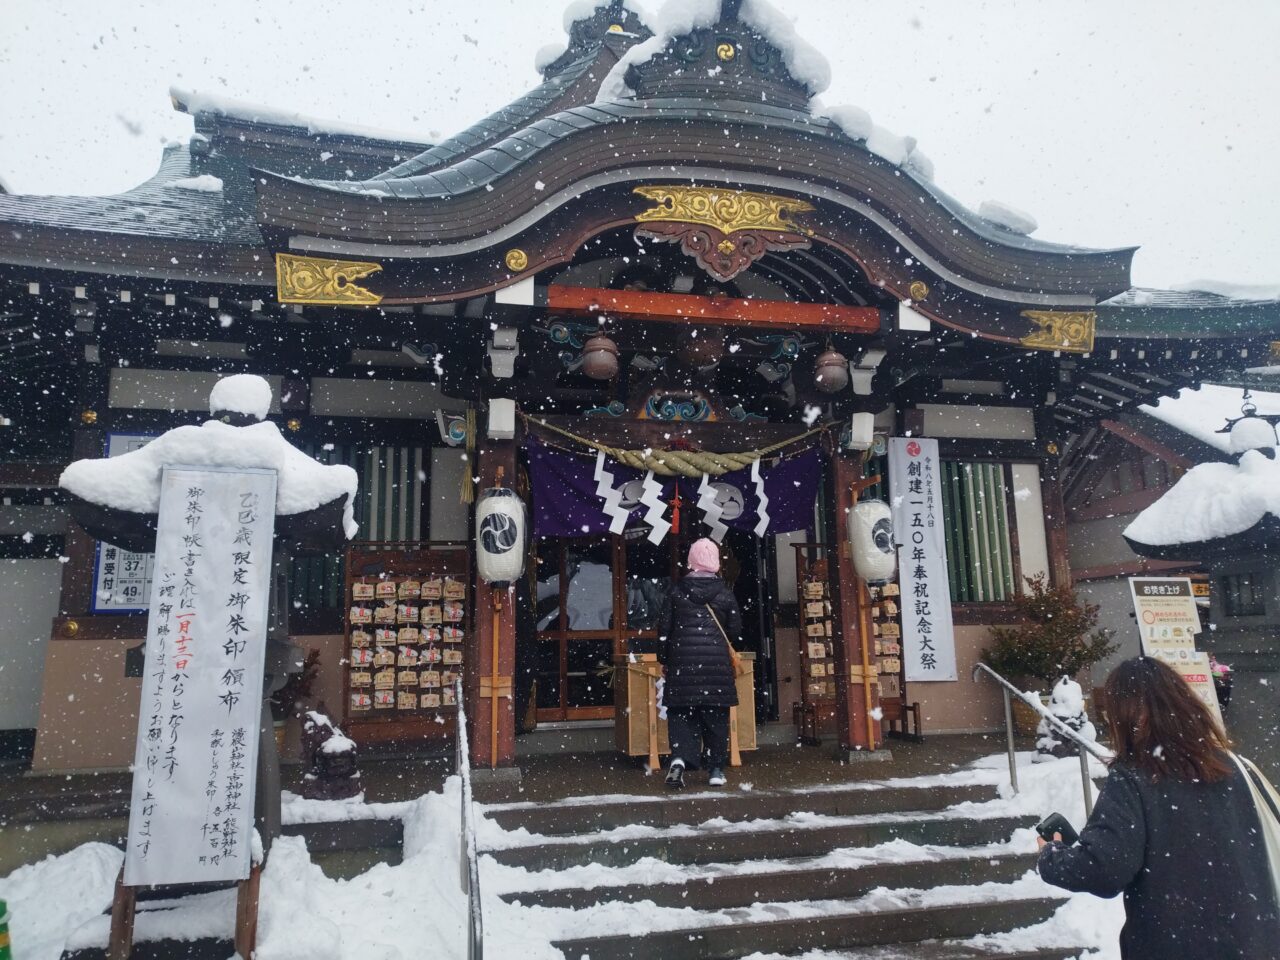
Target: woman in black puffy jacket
{"type": "Point", "coordinates": [1175, 830]}
{"type": "Point", "coordinates": [700, 683]}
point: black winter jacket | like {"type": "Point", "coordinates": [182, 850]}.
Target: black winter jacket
{"type": "Point", "coordinates": [1190, 861]}
{"type": "Point", "coordinates": [699, 671]}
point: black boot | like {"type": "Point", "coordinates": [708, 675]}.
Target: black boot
{"type": "Point", "coordinates": [675, 775]}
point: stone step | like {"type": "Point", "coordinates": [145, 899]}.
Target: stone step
{"type": "Point", "coordinates": [773, 842]}
{"type": "Point", "coordinates": [611, 812]}
{"type": "Point", "coordinates": [802, 883]}
{"type": "Point", "coordinates": [832, 932]}
{"type": "Point", "coordinates": [950, 950]}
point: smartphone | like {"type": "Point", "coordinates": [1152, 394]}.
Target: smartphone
{"type": "Point", "coordinates": [1057, 823]}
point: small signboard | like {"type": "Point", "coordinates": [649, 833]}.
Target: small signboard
{"type": "Point", "coordinates": [1168, 618]}
{"type": "Point", "coordinates": [191, 815]}
{"type": "Point", "coordinates": [1193, 667]}
{"type": "Point", "coordinates": [122, 580]}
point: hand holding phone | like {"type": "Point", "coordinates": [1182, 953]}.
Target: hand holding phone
{"type": "Point", "coordinates": [1056, 823]}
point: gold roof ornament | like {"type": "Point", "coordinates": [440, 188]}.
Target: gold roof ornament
{"type": "Point", "coordinates": [725, 210]}
{"type": "Point", "coordinates": [321, 281]}
{"type": "Point", "coordinates": [1071, 331]}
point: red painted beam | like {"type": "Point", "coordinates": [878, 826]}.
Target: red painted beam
{"type": "Point", "coordinates": [726, 311]}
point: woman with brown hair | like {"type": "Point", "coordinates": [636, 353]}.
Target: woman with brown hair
{"type": "Point", "coordinates": [1175, 830]}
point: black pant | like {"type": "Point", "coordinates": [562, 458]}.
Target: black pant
{"type": "Point", "coordinates": [693, 729]}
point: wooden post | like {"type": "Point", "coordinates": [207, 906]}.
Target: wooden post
{"type": "Point", "coordinates": [492, 660]}
{"type": "Point", "coordinates": [855, 698]}
{"type": "Point", "coordinates": [651, 684]}
{"type": "Point", "coordinates": [247, 894]}
{"type": "Point", "coordinates": [735, 755]}
{"type": "Point", "coordinates": [123, 907]}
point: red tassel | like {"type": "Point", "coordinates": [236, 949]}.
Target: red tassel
{"type": "Point", "coordinates": [675, 512]}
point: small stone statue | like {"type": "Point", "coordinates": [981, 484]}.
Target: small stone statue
{"type": "Point", "coordinates": [1066, 703]}
{"type": "Point", "coordinates": [333, 774]}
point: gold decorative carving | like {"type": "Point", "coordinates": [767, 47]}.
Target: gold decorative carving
{"type": "Point", "coordinates": [918, 290]}
{"type": "Point", "coordinates": [726, 246]}
{"type": "Point", "coordinates": [88, 417]}
{"type": "Point", "coordinates": [726, 52]}
{"type": "Point", "coordinates": [616, 28]}
{"type": "Point", "coordinates": [70, 628]}
{"type": "Point", "coordinates": [516, 260]}
{"type": "Point", "coordinates": [321, 281]}
{"type": "Point", "coordinates": [1069, 331]}
{"type": "Point", "coordinates": [725, 210]}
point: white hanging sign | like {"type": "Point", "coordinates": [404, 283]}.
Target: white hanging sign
{"type": "Point", "coordinates": [191, 815]}
{"type": "Point", "coordinates": [915, 497]}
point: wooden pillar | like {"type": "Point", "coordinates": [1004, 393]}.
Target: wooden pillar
{"type": "Point", "coordinates": [1051, 495]}
{"type": "Point", "coordinates": [483, 679]}
{"type": "Point", "coordinates": [849, 612]}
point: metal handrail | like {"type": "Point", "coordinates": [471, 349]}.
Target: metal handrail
{"type": "Point", "coordinates": [467, 856]}
{"type": "Point", "coordinates": [1087, 747]}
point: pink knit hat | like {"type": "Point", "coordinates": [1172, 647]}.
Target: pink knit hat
{"type": "Point", "coordinates": [704, 557]}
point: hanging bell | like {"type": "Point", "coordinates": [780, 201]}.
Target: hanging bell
{"type": "Point", "coordinates": [600, 358]}
{"type": "Point", "coordinates": [831, 372]}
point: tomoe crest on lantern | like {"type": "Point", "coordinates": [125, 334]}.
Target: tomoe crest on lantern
{"type": "Point", "coordinates": [871, 538]}
{"type": "Point", "coordinates": [500, 536]}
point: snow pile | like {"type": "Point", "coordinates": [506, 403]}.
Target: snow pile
{"type": "Point", "coordinates": [855, 123]}
{"type": "Point", "coordinates": [195, 102]}
{"type": "Point", "coordinates": [49, 899]}
{"type": "Point", "coordinates": [401, 912]}
{"type": "Point", "coordinates": [131, 481]}
{"type": "Point", "coordinates": [1252, 433]}
{"type": "Point", "coordinates": [1007, 217]}
{"type": "Point", "coordinates": [241, 393]}
{"type": "Point", "coordinates": [1211, 501]}
{"type": "Point", "coordinates": [1201, 413]}
{"type": "Point", "coordinates": [296, 809]}
{"type": "Point", "coordinates": [547, 55]}
{"type": "Point", "coordinates": [1250, 292]}
{"type": "Point", "coordinates": [677, 18]}
{"type": "Point", "coordinates": [205, 183]}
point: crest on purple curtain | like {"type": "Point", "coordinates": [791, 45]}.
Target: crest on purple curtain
{"type": "Point", "coordinates": [568, 502]}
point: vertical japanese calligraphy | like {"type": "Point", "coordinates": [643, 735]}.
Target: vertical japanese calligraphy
{"type": "Point", "coordinates": [193, 777]}
{"type": "Point", "coordinates": [928, 636]}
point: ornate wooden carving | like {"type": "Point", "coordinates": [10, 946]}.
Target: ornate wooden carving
{"type": "Point", "coordinates": [725, 231]}
{"type": "Point", "coordinates": [321, 281]}
{"type": "Point", "coordinates": [1068, 331]}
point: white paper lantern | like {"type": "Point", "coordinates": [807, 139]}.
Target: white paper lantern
{"type": "Point", "coordinates": [500, 536]}
{"type": "Point", "coordinates": [871, 537]}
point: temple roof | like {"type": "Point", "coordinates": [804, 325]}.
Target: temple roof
{"type": "Point", "coordinates": [185, 198]}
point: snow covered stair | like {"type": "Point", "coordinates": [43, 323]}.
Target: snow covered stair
{"type": "Point", "coordinates": [855, 872]}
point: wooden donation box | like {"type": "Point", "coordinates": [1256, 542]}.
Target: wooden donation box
{"type": "Point", "coordinates": [638, 729]}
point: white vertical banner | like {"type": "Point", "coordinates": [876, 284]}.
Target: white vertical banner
{"type": "Point", "coordinates": [915, 497]}
{"type": "Point", "coordinates": [191, 816]}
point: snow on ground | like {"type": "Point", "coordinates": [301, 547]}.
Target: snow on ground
{"type": "Point", "coordinates": [416, 908]}
{"type": "Point", "coordinates": [413, 909]}
{"type": "Point", "coordinates": [49, 898]}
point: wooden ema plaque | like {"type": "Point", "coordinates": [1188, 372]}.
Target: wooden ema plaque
{"type": "Point", "coordinates": [815, 714]}
{"type": "Point", "coordinates": [408, 628]}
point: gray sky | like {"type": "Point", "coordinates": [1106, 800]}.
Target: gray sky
{"type": "Point", "coordinates": [1148, 122]}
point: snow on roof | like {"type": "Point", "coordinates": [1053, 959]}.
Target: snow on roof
{"type": "Point", "coordinates": [1200, 413]}
{"type": "Point", "coordinates": [194, 101]}
{"type": "Point", "coordinates": [131, 481]}
{"type": "Point", "coordinates": [1212, 501]}
{"type": "Point", "coordinates": [205, 183]}
{"type": "Point", "coordinates": [1007, 216]}
{"type": "Point", "coordinates": [677, 18]}
{"type": "Point", "coordinates": [1251, 293]}
{"type": "Point", "coordinates": [856, 124]}
{"type": "Point", "coordinates": [583, 9]}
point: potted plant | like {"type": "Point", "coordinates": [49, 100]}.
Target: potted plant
{"type": "Point", "coordinates": [297, 688]}
{"type": "Point", "coordinates": [1058, 636]}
